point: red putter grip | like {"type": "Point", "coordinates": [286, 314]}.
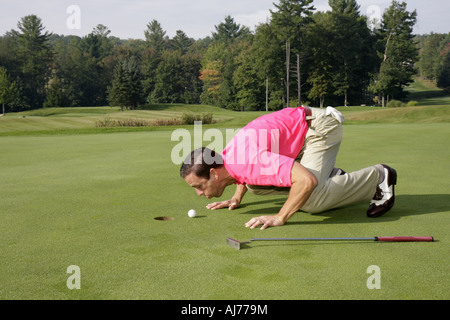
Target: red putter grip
{"type": "Point", "coordinates": [405, 239]}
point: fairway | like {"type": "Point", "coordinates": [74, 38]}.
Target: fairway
{"type": "Point", "coordinates": [91, 200]}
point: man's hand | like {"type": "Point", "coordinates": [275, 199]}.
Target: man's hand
{"type": "Point", "coordinates": [303, 184]}
{"type": "Point", "coordinates": [230, 204]}
{"type": "Point", "coordinates": [265, 221]}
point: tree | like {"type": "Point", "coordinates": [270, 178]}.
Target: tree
{"type": "Point", "coordinates": [156, 36]}
{"type": "Point", "coordinates": [290, 18]}
{"type": "Point", "coordinates": [443, 72]}
{"type": "Point", "coordinates": [126, 88]}
{"type": "Point", "coordinates": [8, 89]}
{"type": "Point", "coordinates": [102, 31]}
{"type": "Point", "coordinates": [156, 43]}
{"type": "Point", "coordinates": [354, 60]}
{"type": "Point", "coordinates": [399, 54]}
{"type": "Point", "coordinates": [134, 77]}
{"type": "Point", "coordinates": [229, 31]}
{"type": "Point", "coordinates": [211, 75]}
{"type": "Point", "coordinates": [118, 93]}
{"type": "Point", "coordinates": [70, 74]}
{"type": "Point", "coordinates": [434, 63]}
{"type": "Point", "coordinates": [34, 56]}
{"type": "Point", "coordinates": [290, 21]}
{"type": "Point", "coordinates": [95, 49]}
{"type": "Point", "coordinates": [55, 95]}
{"type": "Point", "coordinates": [430, 56]}
{"type": "Point", "coordinates": [8, 56]}
{"type": "Point", "coordinates": [247, 82]}
{"type": "Point", "coordinates": [150, 62]}
{"type": "Point", "coordinates": [82, 69]}
{"type": "Point", "coordinates": [181, 42]}
{"type": "Point", "coordinates": [167, 79]}
{"type": "Point", "coordinates": [219, 64]}
{"type": "Point", "coordinates": [259, 70]}
{"type": "Point", "coordinates": [321, 73]}
{"type": "Point", "coordinates": [190, 64]}
{"type": "Point", "coordinates": [268, 57]}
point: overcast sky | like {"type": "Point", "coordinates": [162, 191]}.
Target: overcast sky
{"type": "Point", "coordinates": [197, 18]}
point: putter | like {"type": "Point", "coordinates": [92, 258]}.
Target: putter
{"type": "Point", "coordinates": [238, 244]}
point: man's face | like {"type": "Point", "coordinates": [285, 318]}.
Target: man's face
{"type": "Point", "coordinates": [209, 188]}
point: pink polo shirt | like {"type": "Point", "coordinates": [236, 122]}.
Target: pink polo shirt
{"type": "Point", "coordinates": [263, 152]}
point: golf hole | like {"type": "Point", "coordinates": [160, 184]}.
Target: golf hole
{"type": "Point", "coordinates": [164, 219]}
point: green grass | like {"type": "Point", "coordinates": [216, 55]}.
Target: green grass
{"type": "Point", "coordinates": [419, 114]}
{"type": "Point", "coordinates": [426, 93]}
{"type": "Point", "coordinates": [90, 200]}
{"type": "Point", "coordinates": [433, 107]}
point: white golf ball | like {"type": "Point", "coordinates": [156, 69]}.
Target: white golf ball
{"type": "Point", "coordinates": [192, 213]}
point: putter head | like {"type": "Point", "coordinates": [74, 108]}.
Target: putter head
{"type": "Point", "coordinates": [235, 244]}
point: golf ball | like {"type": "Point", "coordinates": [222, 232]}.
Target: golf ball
{"type": "Point", "coordinates": [192, 213]}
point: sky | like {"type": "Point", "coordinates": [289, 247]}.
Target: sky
{"type": "Point", "coordinates": [197, 18]}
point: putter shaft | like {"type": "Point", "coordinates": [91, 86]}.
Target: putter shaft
{"type": "Point", "coordinates": [237, 244]}
{"type": "Point", "coordinates": [311, 239]}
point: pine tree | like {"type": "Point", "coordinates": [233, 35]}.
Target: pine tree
{"type": "Point", "coordinates": [126, 88]}
{"type": "Point", "coordinates": [290, 21]}
{"type": "Point", "coordinates": [134, 75]}
{"type": "Point", "coordinates": [321, 73]}
{"type": "Point", "coordinates": [156, 36]}
{"type": "Point", "coordinates": [354, 60]}
{"type": "Point", "coordinates": [400, 52]}
{"type": "Point", "coordinates": [34, 56]}
{"type": "Point", "coordinates": [228, 31]}
{"type": "Point", "coordinates": [181, 42]}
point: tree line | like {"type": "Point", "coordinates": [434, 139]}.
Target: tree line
{"type": "Point", "coordinates": [300, 56]}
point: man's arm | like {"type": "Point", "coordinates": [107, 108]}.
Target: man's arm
{"type": "Point", "coordinates": [233, 203]}
{"type": "Point", "coordinates": [303, 184]}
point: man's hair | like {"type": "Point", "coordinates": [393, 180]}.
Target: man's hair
{"type": "Point", "coordinates": [200, 162]}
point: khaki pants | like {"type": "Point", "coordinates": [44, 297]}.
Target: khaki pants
{"type": "Point", "coordinates": [318, 155]}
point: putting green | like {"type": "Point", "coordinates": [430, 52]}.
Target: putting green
{"type": "Point", "coordinates": [91, 201]}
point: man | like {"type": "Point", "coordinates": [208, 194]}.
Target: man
{"type": "Point", "coordinates": [292, 152]}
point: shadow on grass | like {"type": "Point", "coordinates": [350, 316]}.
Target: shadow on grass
{"type": "Point", "coordinates": [405, 205]}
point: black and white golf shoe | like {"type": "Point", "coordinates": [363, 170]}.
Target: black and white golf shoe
{"type": "Point", "coordinates": [384, 198]}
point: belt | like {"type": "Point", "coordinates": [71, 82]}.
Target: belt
{"type": "Point", "coordinates": [308, 113]}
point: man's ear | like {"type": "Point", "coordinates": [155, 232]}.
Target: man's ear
{"type": "Point", "coordinates": [214, 173]}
